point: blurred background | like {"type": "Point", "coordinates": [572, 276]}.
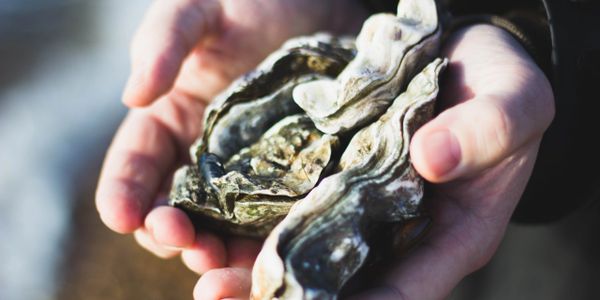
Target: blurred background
{"type": "Point", "coordinates": [63, 64]}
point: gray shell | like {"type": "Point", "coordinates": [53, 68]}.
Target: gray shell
{"type": "Point", "coordinates": [259, 153]}
{"type": "Point", "coordinates": [327, 236]}
{"type": "Point", "coordinates": [311, 149]}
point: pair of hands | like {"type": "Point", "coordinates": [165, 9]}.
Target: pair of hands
{"type": "Point", "coordinates": [478, 153]}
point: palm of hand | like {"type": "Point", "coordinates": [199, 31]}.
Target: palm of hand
{"type": "Point", "coordinates": [496, 105]}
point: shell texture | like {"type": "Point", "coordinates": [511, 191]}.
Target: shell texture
{"type": "Point", "coordinates": [391, 49]}
{"type": "Point", "coordinates": [375, 187]}
{"type": "Point", "coordinates": [310, 150]}
{"type": "Point", "coordinates": [259, 153]}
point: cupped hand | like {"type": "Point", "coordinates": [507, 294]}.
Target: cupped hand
{"type": "Point", "coordinates": [184, 52]}
{"type": "Point", "coordinates": [478, 154]}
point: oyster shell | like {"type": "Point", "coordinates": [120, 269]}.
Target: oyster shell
{"type": "Point", "coordinates": [391, 49]}
{"type": "Point", "coordinates": [319, 134]}
{"type": "Point", "coordinates": [255, 189]}
{"type": "Point", "coordinates": [326, 237]}
{"type": "Point", "coordinates": [257, 155]}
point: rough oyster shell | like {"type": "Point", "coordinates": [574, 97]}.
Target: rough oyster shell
{"type": "Point", "coordinates": [253, 103]}
{"type": "Point", "coordinates": [390, 51]}
{"type": "Point", "coordinates": [326, 237]}
{"type": "Point", "coordinates": [253, 163]}
{"type": "Point", "coordinates": [345, 144]}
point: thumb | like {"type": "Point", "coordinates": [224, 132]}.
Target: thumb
{"type": "Point", "coordinates": [168, 33]}
{"type": "Point", "coordinates": [476, 135]}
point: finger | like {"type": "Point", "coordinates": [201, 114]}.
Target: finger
{"type": "Point", "coordinates": [242, 252]}
{"type": "Point", "coordinates": [169, 31]}
{"type": "Point", "coordinates": [487, 59]}
{"type": "Point", "coordinates": [145, 239]}
{"type": "Point", "coordinates": [206, 253]}
{"type": "Point", "coordinates": [141, 157]}
{"type": "Point", "coordinates": [224, 283]}
{"type": "Point", "coordinates": [498, 108]}
{"type": "Point", "coordinates": [170, 227]}
{"type": "Point", "coordinates": [465, 233]}
{"type": "Point", "coordinates": [475, 135]}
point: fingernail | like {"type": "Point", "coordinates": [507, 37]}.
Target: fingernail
{"type": "Point", "coordinates": [442, 152]}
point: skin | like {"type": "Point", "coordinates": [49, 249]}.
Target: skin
{"type": "Point", "coordinates": [478, 152]}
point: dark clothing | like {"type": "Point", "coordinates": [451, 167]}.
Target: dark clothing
{"type": "Point", "coordinates": [567, 173]}
{"type": "Point", "coordinates": [564, 39]}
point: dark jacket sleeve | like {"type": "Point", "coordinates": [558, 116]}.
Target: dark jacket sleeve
{"type": "Point", "coordinates": [563, 36]}
{"type": "Point", "coordinates": [567, 173]}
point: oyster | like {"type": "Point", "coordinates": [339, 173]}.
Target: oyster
{"type": "Point", "coordinates": [255, 189]}
{"type": "Point", "coordinates": [318, 137]}
{"type": "Point", "coordinates": [391, 49]}
{"type": "Point", "coordinates": [327, 236]}
{"type": "Point", "coordinates": [257, 156]}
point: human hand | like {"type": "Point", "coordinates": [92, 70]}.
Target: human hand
{"type": "Point", "coordinates": [478, 154]}
{"type": "Point", "coordinates": [198, 46]}
{"type": "Point", "coordinates": [183, 53]}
